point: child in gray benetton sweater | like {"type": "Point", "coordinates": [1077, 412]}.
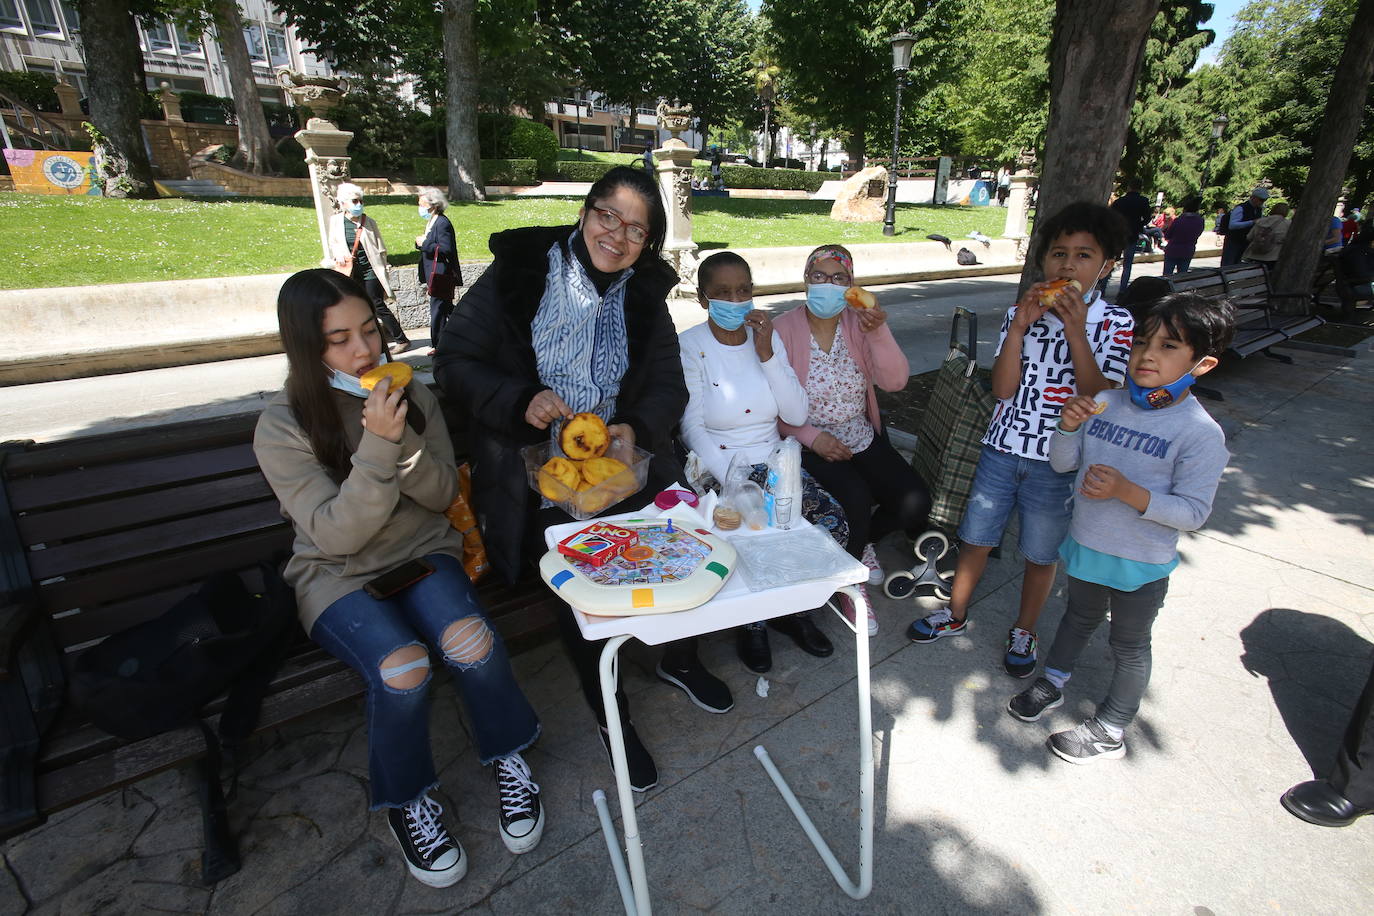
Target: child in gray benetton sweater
{"type": "Point", "coordinates": [1149, 459]}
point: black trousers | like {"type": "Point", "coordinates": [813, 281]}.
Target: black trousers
{"type": "Point", "coordinates": [877, 476]}
{"type": "Point", "coordinates": [439, 310]}
{"type": "Point", "coordinates": [1353, 774]}
{"type": "Point", "coordinates": [390, 325]}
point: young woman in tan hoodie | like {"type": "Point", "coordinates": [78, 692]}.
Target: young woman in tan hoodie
{"type": "Point", "coordinates": [364, 476]}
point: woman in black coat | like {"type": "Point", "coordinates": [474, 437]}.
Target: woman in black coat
{"type": "Point", "coordinates": [438, 256]}
{"type": "Point", "coordinates": [566, 318]}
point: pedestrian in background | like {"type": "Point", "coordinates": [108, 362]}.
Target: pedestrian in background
{"type": "Point", "coordinates": [438, 257]}
{"type": "Point", "coordinates": [355, 244]}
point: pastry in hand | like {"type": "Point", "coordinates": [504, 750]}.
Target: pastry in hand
{"type": "Point", "coordinates": [399, 373]}
{"type": "Point", "coordinates": [860, 298]}
{"type": "Point", "coordinates": [584, 436]}
{"type": "Point", "coordinates": [558, 478]}
{"type": "Point", "coordinates": [1054, 286]}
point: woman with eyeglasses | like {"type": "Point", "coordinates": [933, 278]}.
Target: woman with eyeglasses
{"type": "Point", "coordinates": [839, 353]}
{"type": "Point", "coordinates": [357, 250]}
{"type": "Point", "coordinates": [567, 319]}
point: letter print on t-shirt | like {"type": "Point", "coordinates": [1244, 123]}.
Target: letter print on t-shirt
{"type": "Point", "coordinates": [1021, 424]}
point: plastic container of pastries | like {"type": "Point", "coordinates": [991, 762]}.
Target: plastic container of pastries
{"type": "Point", "coordinates": [587, 499]}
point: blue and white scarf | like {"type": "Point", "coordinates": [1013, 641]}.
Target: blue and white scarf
{"type": "Point", "coordinates": [579, 337]}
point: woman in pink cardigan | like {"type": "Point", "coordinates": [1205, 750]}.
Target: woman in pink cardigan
{"type": "Point", "coordinates": [838, 354]}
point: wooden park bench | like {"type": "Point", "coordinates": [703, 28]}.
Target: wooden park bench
{"type": "Point", "coordinates": [1335, 290]}
{"type": "Point", "coordinates": [1264, 317]}
{"type": "Point", "coordinates": [102, 532]}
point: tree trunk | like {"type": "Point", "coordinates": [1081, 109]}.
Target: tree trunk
{"type": "Point", "coordinates": [1301, 251]}
{"type": "Point", "coordinates": [1095, 58]}
{"type": "Point", "coordinates": [113, 62]}
{"type": "Point", "coordinates": [855, 149]}
{"type": "Point", "coordinates": [256, 152]}
{"type": "Point", "coordinates": [460, 64]}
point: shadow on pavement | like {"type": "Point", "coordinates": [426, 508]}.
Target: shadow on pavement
{"type": "Point", "coordinates": [1316, 668]}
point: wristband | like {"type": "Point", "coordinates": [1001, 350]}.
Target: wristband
{"type": "Point", "coordinates": [1059, 428]}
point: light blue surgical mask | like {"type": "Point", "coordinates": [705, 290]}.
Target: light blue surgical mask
{"type": "Point", "coordinates": [346, 383]}
{"type": "Point", "coordinates": [424, 212]}
{"type": "Point", "coordinates": [355, 209]}
{"type": "Point", "coordinates": [824, 300]}
{"type": "Point", "coordinates": [728, 315]}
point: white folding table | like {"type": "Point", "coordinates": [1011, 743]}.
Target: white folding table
{"type": "Point", "coordinates": [734, 605]}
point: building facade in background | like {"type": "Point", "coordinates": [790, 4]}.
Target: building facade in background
{"type": "Point", "coordinates": [44, 36]}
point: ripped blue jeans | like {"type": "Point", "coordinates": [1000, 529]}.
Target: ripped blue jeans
{"type": "Point", "coordinates": [441, 615]}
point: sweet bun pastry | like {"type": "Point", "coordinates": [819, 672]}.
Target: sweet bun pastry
{"type": "Point", "coordinates": [596, 470]}
{"type": "Point", "coordinates": [399, 373]}
{"type": "Point", "coordinates": [593, 500]}
{"type": "Point", "coordinates": [584, 436]}
{"type": "Point", "coordinates": [1054, 286]}
{"type": "Point", "coordinates": [860, 298]}
{"type": "Point", "coordinates": [555, 472]}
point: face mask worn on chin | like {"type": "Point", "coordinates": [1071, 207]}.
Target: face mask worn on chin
{"type": "Point", "coordinates": [355, 209]}
{"type": "Point", "coordinates": [727, 315]}
{"type": "Point", "coordinates": [824, 300]}
{"type": "Point", "coordinates": [346, 383]}
{"type": "Point", "coordinates": [1155, 398]}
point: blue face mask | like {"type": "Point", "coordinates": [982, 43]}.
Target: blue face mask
{"type": "Point", "coordinates": [1155, 398]}
{"type": "Point", "coordinates": [424, 212]}
{"type": "Point", "coordinates": [355, 209]}
{"type": "Point", "coordinates": [346, 383]}
{"type": "Point", "coordinates": [824, 300]}
{"type": "Point", "coordinates": [727, 315]}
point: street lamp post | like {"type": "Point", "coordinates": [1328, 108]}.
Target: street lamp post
{"type": "Point", "coordinates": [1218, 128]}
{"type": "Point", "coordinates": [901, 63]}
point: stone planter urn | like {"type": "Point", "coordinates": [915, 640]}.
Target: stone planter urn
{"type": "Point", "coordinates": [320, 94]}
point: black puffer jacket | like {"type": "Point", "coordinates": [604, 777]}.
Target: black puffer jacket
{"type": "Point", "coordinates": [486, 366]}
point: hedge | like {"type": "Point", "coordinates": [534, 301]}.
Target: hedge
{"type": "Point", "coordinates": [503, 136]}
{"type": "Point", "coordinates": [582, 171]}
{"type": "Point", "coordinates": [494, 171]}
{"type": "Point", "coordinates": [742, 176]}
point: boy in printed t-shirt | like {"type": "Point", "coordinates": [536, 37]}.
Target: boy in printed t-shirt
{"type": "Point", "coordinates": [1078, 344]}
{"type": "Point", "coordinates": [1148, 467]}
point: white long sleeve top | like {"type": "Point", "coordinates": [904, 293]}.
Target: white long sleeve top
{"type": "Point", "coordinates": [734, 401]}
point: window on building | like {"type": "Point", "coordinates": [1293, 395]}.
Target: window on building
{"type": "Point", "coordinates": [186, 45]}
{"type": "Point", "coordinates": [70, 17]}
{"type": "Point", "coordinates": [78, 79]}
{"type": "Point", "coordinates": [277, 52]}
{"type": "Point", "coordinates": [9, 15]}
{"type": "Point", "coordinates": [43, 17]}
{"type": "Point", "coordinates": [159, 38]}
{"type": "Point", "coordinates": [252, 36]}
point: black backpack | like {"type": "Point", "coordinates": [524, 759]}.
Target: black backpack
{"type": "Point", "coordinates": [157, 676]}
{"type": "Point", "coordinates": [966, 257]}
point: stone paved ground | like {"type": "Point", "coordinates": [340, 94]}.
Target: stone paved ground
{"type": "Point", "coordinates": [1267, 636]}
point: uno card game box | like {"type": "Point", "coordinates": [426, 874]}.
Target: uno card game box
{"type": "Point", "coordinates": [598, 543]}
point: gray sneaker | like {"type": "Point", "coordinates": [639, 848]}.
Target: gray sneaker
{"type": "Point", "coordinates": [1031, 703]}
{"type": "Point", "coordinates": [1087, 742]}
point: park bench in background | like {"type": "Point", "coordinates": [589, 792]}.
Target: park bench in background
{"type": "Point", "coordinates": [1333, 289]}
{"type": "Point", "coordinates": [1264, 317]}
{"type": "Point", "coordinates": [102, 532]}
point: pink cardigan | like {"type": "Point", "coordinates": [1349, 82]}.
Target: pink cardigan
{"type": "Point", "coordinates": [879, 358]}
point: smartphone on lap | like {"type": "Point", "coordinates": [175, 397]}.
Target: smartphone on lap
{"type": "Point", "coordinates": [398, 579]}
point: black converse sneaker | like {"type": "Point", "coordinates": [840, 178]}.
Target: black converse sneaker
{"type": "Point", "coordinates": [1029, 704]}
{"type": "Point", "coordinates": [522, 817]}
{"type": "Point", "coordinates": [432, 856]}
{"type": "Point", "coordinates": [1086, 743]}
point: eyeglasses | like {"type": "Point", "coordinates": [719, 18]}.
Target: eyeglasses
{"type": "Point", "coordinates": [611, 221]}
{"type": "Point", "coordinates": [840, 278]}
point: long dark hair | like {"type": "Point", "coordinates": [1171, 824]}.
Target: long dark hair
{"type": "Point", "coordinates": [622, 176]}
{"type": "Point", "coordinates": [300, 318]}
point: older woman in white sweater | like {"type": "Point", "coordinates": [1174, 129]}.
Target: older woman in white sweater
{"type": "Point", "coordinates": [740, 384]}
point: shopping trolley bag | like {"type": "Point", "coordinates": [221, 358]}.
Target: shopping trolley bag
{"type": "Point", "coordinates": [949, 440]}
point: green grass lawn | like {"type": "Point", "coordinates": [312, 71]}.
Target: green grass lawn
{"type": "Point", "coordinates": [76, 241]}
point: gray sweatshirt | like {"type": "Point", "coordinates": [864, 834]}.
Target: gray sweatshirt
{"type": "Point", "coordinates": [1177, 453]}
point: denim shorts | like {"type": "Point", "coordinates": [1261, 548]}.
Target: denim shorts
{"type": "Point", "coordinates": [1038, 492]}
